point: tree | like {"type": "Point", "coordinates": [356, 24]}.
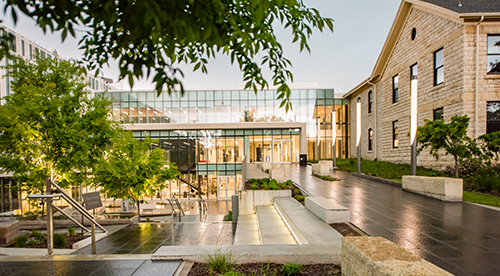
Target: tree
{"type": "Point", "coordinates": [132, 169]}
{"type": "Point", "coordinates": [452, 137]}
{"type": "Point", "coordinates": [155, 36]}
{"type": "Point", "coordinates": [50, 126]}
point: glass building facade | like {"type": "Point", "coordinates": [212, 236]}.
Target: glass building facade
{"type": "Point", "coordinates": [210, 160]}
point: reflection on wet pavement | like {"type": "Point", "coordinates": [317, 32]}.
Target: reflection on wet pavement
{"type": "Point", "coordinates": [460, 237]}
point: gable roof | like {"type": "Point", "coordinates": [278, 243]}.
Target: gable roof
{"type": "Point", "coordinates": [449, 9]}
{"type": "Point", "coordinates": [468, 6]}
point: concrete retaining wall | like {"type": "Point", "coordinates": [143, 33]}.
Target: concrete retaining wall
{"type": "Point", "coordinates": [378, 256]}
{"type": "Point", "coordinates": [444, 188]}
{"type": "Point", "coordinates": [249, 199]}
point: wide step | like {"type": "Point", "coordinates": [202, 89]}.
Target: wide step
{"type": "Point", "coordinates": [247, 230]}
{"type": "Point", "coordinates": [272, 228]}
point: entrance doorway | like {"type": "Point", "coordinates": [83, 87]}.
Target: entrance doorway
{"type": "Point", "coordinates": [282, 151]}
{"type": "Point", "coordinates": [226, 186]}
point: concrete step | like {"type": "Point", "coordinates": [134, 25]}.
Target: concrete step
{"type": "Point", "coordinates": [271, 226]}
{"type": "Point", "coordinates": [247, 230]}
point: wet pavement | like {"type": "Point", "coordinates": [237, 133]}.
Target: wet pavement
{"type": "Point", "coordinates": [90, 268]}
{"type": "Point", "coordinates": [461, 238]}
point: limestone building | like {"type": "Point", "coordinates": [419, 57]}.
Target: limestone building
{"type": "Point", "coordinates": [453, 48]}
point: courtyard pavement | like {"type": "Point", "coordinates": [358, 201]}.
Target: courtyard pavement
{"type": "Point", "coordinates": [461, 238]}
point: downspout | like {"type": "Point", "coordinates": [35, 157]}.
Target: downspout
{"type": "Point", "coordinates": [375, 118]}
{"type": "Point", "coordinates": [477, 78]}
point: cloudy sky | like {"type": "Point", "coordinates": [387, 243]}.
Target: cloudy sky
{"type": "Point", "coordinates": [338, 60]}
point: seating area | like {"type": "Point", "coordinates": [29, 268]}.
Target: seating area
{"type": "Point", "coordinates": [322, 167]}
{"type": "Point", "coordinates": [328, 209]}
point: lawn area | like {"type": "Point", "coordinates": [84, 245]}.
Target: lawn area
{"type": "Point", "coordinates": [384, 169]}
{"type": "Point", "coordinates": [482, 199]}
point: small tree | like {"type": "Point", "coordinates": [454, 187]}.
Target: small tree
{"type": "Point", "coordinates": [50, 126]}
{"type": "Point", "coordinates": [133, 169]}
{"type": "Point", "coordinates": [452, 137]}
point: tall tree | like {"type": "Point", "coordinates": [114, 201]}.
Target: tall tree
{"type": "Point", "coordinates": [132, 169]}
{"type": "Point", "coordinates": [50, 126]}
{"type": "Point", "coordinates": [153, 37]}
{"type": "Point", "coordinates": [452, 137]}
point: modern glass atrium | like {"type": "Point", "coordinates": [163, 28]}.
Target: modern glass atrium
{"type": "Point", "coordinates": [210, 158]}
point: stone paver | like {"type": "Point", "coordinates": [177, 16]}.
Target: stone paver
{"type": "Point", "coordinates": [461, 238]}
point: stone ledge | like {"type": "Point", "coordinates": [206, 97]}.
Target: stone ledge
{"type": "Point", "coordinates": [327, 209]}
{"type": "Point", "coordinates": [378, 256]}
{"type": "Point", "coordinates": [378, 179]}
{"type": "Point", "coordinates": [443, 188]}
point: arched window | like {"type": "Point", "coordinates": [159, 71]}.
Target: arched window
{"type": "Point", "coordinates": [370, 139]}
{"type": "Point", "coordinates": [370, 101]}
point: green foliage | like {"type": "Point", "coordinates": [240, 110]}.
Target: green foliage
{"type": "Point", "coordinates": [50, 123]}
{"type": "Point", "coordinates": [154, 37]}
{"type": "Point", "coordinates": [289, 182]}
{"type": "Point", "coordinates": [324, 177]}
{"type": "Point", "coordinates": [264, 186]}
{"type": "Point", "coordinates": [313, 161]}
{"type": "Point", "coordinates": [273, 182]}
{"type": "Point", "coordinates": [254, 186]}
{"type": "Point", "coordinates": [232, 273]}
{"type": "Point", "coordinates": [37, 234]}
{"type": "Point", "coordinates": [490, 144]}
{"type": "Point", "coordinates": [148, 219]}
{"type": "Point", "coordinates": [486, 179]}
{"type": "Point", "coordinates": [291, 269]}
{"type": "Point", "coordinates": [264, 180]}
{"type": "Point", "coordinates": [21, 241]}
{"type": "Point", "coordinates": [300, 197]}
{"type": "Point", "coordinates": [229, 216]}
{"type": "Point", "coordinates": [333, 179]}
{"type": "Point", "coordinates": [71, 231]}
{"type": "Point", "coordinates": [452, 137]}
{"type": "Point", "coordinates": [267, 171]}
{"type": "Point", "coordinates": [132, 169]}
{"type": "Point", "coordinates": [481, 198]}
{"type": "Point", "coordinates": [220, 262]}
{"type": "Point", "coordinates": [267, 270]}
{"type": "Point", "coordinates": [296, 192]}
{"type": "Point", "coordinates": [59, 240]}
{"type": "Point", "coordinates": [253, 180]}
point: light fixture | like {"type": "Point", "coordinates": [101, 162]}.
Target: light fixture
{"type": "Point", "coordinates": [140, 112]}
{"type": "Point", "coordinates": [358, 133]}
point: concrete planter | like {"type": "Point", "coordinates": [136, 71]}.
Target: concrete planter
{"type": "Point", "coordinates": [443, 188]}
{"type": "Point", "coordinates": [250, 198]}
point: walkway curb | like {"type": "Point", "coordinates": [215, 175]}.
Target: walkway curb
{"type": "Point", "coordinates": [378, 179]}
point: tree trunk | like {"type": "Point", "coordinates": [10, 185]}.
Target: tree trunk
{"type": "Point", "coordinates": [456, 166]}
{"type": "Point", "coordinates": [138, 211]}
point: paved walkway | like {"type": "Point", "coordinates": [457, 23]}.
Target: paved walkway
{"type": "Point", "coordinates": [462, 238]}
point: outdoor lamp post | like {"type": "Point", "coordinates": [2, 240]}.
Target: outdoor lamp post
{"type": "Point", "coordinates": [358, 132]}
{"type": "Point", "coordinates": [413, 124]}
{"type": "Point", "coordinates": [334, 138]}
{"type": "Point", "coordinates": [318, 122]}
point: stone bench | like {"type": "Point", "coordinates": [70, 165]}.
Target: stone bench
{"type": "Point", "coordinates": [322, 167]}
{"type": "Point", "coordinates": [148, 207]}
{"type": "Point", "coordinates": [9, 230]}
{"type": "Point", "coordinates": [378, 256]}
{"type": "Point", "coordinates": [328, 210]}
{"type": "Point", "coordinates": [443, 188]}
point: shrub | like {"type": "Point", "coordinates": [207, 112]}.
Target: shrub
{"type": "Point", "coordinates": [291, 269]}
{"type": "Point", "coordinates": [486, 180]}
{"type": "Point", "coordinates": [300, 197]}
{"type": "Point", "coordinates": [312, 161]}
{"type": "Point", "coordinates": [21, 241]}
{"type": "Point", "coordinates": [59, 240]}
{"type": "Point", "coordinates": [34, 241]}
{"type": "Point", "coordinates": [273, 182]}
{"type": "Point", "coordinates": [254, 186]}
{"type": "Point", "coordinates": [148, 219]}
{"type": "Point", "coordinates": [71, 231]}
{"type": "Point", "coordinates": [267, 171]}
{"type": "Point", "coordinates": [333, 179]}
{"type": "Point", "coordinates": [220, 262]}
{"type": "Point", "coordinates": [324, 177]}
{"type": "Point", "coordinates": [282, 185]}
{"type": "Point", "coordinates": [296, 192]}
{"type": "Point", "coordinates": [289, 182]}
{"type": "Point", "coordinates": [264, 186]}
{"type": "Point", "coordinates": [37, 234]}
{"type": "Point", "coordinates": [274, 186]}
{"type": "Point", "coordinates": [264, 180]}
{"type": "Point", "coordinates": [253, 180]}
{"type": "Point", "coordinates": [229, 216]}
{"type": "Point", "coordinates": [232, 273]}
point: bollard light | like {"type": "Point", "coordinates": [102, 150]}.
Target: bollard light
{"type": "Point", "coordinates": [358, 132]}
{"type": "Point", "coordinates": [413, 124]}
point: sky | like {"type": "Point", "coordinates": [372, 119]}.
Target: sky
{"type": "Point", "coordinates": [339, 60]}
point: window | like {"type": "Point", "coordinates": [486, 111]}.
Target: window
{"type": "Point", "coordinates": [22, 48]}
{"type": "Point", "coordinates": [439, 66]}
{"type": "Point", "coordinates": [395, 89]}
{"type": "Point", "coordinates": [370, 101]}
{"type": "Point", "coordinates": [370, 139]}
{"type": "Point", "coordinates": [438, 114]}
{"type": "Point", "coordinates": [492, 117]}
{"type": "Point", "coordinates": [395, 134]}
{"type": "Point", "coordinates": [31, 51]}
{"type": "Point", "coordinates": [493, 54]}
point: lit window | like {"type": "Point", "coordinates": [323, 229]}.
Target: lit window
{"type": "Point", "coordinates": [395, 89]}
{"type": "Point", "coordinates": [493, 54]}
{"type": "Point", "coordinates": [395, 134]}
{"type": "Point", "coordinates": [439, 66]}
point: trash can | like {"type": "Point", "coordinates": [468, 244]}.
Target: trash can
{"type": "Point", "coordinates": [303, 160]}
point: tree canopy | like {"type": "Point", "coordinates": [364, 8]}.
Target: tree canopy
{"type": "Point", "coordinates": [153, 37]}
{"type": "Point", "coordinates": [132, 169]}
{"type": "Point", "coordinates": [50, 126]}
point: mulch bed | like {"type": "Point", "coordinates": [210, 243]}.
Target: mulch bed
{"type": "Point", "coordinates": [344, 229]}
{"type": "Point", "coordinates": [261, 269]}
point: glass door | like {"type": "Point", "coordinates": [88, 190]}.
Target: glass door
{"type": "Point", "coordinates": [226, 186]}
{"type": "Point", "coordinates": [282, 151]}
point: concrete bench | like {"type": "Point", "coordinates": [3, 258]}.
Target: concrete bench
{"type": "Point", "coordinates": [148, 207]}
{"type": "Point", "coordinates": [321, 168]}
{"type": "Point", "coordinates": [9, 230]}
{"type": "Point", "coordinates": [378, 256]}
{"type": "Point", "coordinates": [328, 210]}
{"type": "Point", "coordinates": [328, 163]}
{"type": "Point", "coordinates": [443, 188]}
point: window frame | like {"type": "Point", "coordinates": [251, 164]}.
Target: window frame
{"type": "Point", "coordinates": [395, 134]}
{"type": "Point", "coordinates": [370, 139]}
{"type": "Point", "coordinates": [395, 88]}
{"type": "Point", "coordinates": [370, 101]}
{"type": "Point", "coordinates": [434, 114]}
{"type": "Point", "coordinates": [437, 68]}
{"type": "Point", "coordinates": [488, 55]}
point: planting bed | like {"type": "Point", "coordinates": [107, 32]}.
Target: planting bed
{"type": "Point", "coordinates": [261, 269]}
